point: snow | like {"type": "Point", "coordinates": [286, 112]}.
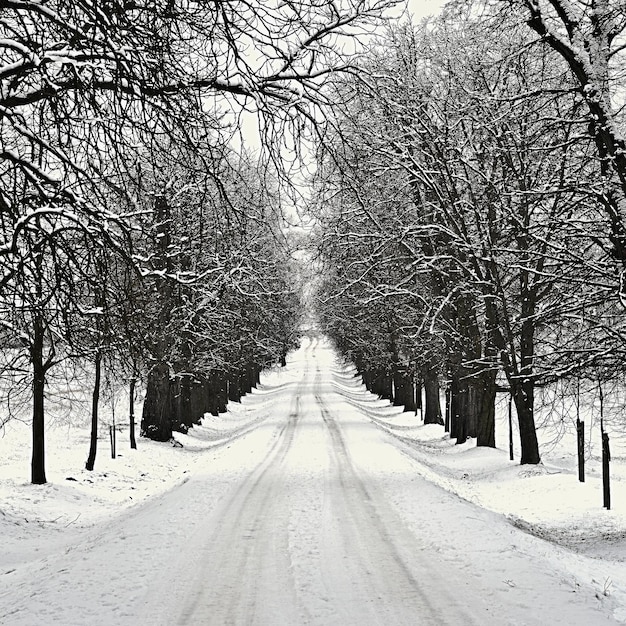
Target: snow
{"type": "Point", "coordinates": [310, 502]}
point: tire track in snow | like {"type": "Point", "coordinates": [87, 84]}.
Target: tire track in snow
{"type": "Point", "coordinates": [377, 578]}
{"type": "Point", "coordinates": [247, 557]}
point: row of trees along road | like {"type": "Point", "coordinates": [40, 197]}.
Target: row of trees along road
{"type": "Point", "coordinates": [133, 234]}
{"type": "Point", "coordinates": [469, 206]}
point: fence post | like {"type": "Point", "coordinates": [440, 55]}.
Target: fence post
{"type": "Point", "coordinates": [446, 427]}
{"type": "Point", "coordinates": [606, 459]}
{"type": "Point", "coordinates": [580, 429]}
{"type": "Point", "coordinates": [112, 437]}
{"type": "Point", "coordinates": [510, 427]}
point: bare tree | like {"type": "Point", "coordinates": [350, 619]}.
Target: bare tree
{"type": "Point", "coordinates": [485, 185]}
{"type": "Point", "coordinates": [589, 36]}
{"type": "Point", "coordinates": [88, 89]}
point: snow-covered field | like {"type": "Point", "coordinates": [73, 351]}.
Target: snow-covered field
{"type": "Point", "coordinates": [585, 543]}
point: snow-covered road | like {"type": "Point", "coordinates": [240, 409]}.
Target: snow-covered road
{"type": "Point", "coordinates": [315, 516]}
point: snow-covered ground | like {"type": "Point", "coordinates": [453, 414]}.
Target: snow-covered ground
{"type": "Point", "coordinates": [54, 534]}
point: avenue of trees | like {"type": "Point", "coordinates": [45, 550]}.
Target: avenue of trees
{"type": "Point", "coordinates": [469, 196]}
{"type": "Point", "coordinates": [470, 203]}
{"type": "Point", "coordinates": [136, 233]}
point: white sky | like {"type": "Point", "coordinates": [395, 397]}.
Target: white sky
{"type": "Point", "coordinates": [422, 8]}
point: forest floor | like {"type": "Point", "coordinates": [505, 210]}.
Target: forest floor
{"type": "Point", "coordinates": [310, 502]}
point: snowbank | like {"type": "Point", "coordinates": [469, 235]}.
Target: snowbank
{"type": "Point", "coordinates": [546, 500]}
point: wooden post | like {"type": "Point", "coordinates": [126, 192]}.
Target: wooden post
{"type": "Point", "coordinates": [580, 429]}
{"type": "Point", "coordinates": [112, 438]}
{"type": "Point", "coordinates": [606, 459]}
{"type": "Point", "coordinates": [511, 456]}
{"type": "Point", "coordinates": [133, 440]}
{"type": "Point", "coordinates": [448, 408]}
{"type": "Point", "coordinates": [113, 433]}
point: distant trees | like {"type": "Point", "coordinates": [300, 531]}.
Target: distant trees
{"type": "Point", "coordinates": [459, 176]}
{"type": "Point", "coordinates": [212, 337]}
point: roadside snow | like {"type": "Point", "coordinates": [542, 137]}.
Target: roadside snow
{"type": "Point", "coordinates": [546, 500]}
{"type": "Point", "coordinates": [38, 519]}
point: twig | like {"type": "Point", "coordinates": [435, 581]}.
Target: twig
{"type": "Point", "coordinates": [66, 525]}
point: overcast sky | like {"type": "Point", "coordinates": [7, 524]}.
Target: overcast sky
{"type": "Point", "coordinates": [422, 8]}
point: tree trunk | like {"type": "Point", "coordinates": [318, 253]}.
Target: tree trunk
{"type": "Point", "coordinates": [404, 389]}
{"type": "Point", "coordinates": [446, 424]}
{"type": "Point", "coordinates": [409, 396]}
{"type": "Point", "coordinates": [398, 386]}
{"type": "Point", "coordinates": [459, 404]}
{"type": "Point", "coordinates": [456, 390]}
{"type": "Point", "coordinates": [222, 392]}
{"type": "Point", "coordinates": [184, 414]}
{"type": "Point", "coordinates": [211, 390]}
{"type": "Point", "coordinates": [377, 385]}
{"type": "Point", "coordinates": [38, 461]}
{"type": "Point", "coordinates": [95, 399]}
{"type": "Point", "coordinates": [523, 396]}
{"type": "Point", "coordinates": [466, 351]}
{"type": "Point", "coordinates": [523, 387]}
{"type": "Point", "coordinates": [419, 384]}
{"type": "Point", "coordinates": [198, 400]}
{"type": "Point", "coordinates": [486, 423]}
{"type": "Point", "coordinates": [520, 377]}
{"type": "Point", "coordinates": [156, 418]}
{"type": "Point", "coordinates": [234, 386]}
{"type": "Point", "coordinates": [474, 397]}
{"type": "Point", "coordinates": [486, 427]}
{"type": "Point", "coordinates": [247, 376]}
{"type": "Point", "coordinates": [368, 380]}
{"type": "Point", "coordinates": [432, 412]}
{"type": "Point", "coordinates": [386, 385]}
{"type": "Point", "coordinates": [156, 421]}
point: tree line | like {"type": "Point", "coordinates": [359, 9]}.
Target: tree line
{"type": "Point", "coordinates": [469, 204]}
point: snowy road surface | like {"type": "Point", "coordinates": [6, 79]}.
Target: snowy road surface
{"type": "Point", "coordinates": [314, 516]}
